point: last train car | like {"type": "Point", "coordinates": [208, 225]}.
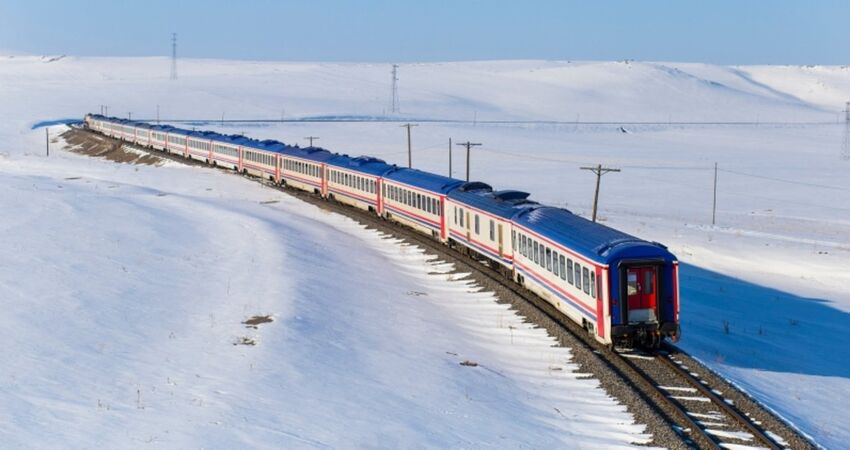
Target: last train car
{"type": "Point", "coordinates": [622, 289]}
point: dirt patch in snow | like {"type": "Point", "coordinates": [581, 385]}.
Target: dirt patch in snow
{"type": "Point", "coordinates": [86, 143]}
{"type": "Point", "coordinates": [253, 322]}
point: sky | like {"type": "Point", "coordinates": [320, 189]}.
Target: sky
{"type": "Point", "coordinates": [717, 31]}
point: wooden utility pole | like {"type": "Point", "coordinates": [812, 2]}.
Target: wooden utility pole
{"type": "Point", "coordinates": [450, 157]}
{"type": "Point", "coordinates": [599, 171]}
{"type": "Point", "coordinates": [409, 151]}
{"type": "Point", "coordinates": [311, 138]}
{"type": "Point", "coordinates": [468, 145]}
{"type": "Point", "coordinates": [714, 203]}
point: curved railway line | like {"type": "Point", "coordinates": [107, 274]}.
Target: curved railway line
{"type": "Point", "coordinates": [683, 403]}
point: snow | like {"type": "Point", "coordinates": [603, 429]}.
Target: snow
{"type": "Point", "coordinates": [764, 291]}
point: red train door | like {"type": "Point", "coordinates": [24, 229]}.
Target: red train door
{"type": "Point", "coordinates": [641, 287]}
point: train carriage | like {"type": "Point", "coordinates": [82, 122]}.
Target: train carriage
{"type": "Point", "coordinates": [304, 168]}
{"type": "Point", "coordinates": [176, 141]}
{"type": "Point", "coordinates": [620, 288]}
{"type": "Point", "coordinates": [260, 158]}
{"type": "Point", "coordinates": [417, 199]}
{"type": "Point", "coordinates": [480, 220]}
{"type": "Point", "coordinates": [199, 145]}
{"type": "Point", "coordinates": [357, 181]}
{"type": "Point", "coordinates": [159, 136]}
{"type": "Point", "coordinates": [227, 150]}
{"type": "Point", "coordinates": [143, 134]}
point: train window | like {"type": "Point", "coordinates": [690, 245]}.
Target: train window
{"type": "Point", "coordinates": [454, 208]}
{"type": "Point", "coordinates": [577, 268]}
{"type": "Point", "coordinates": [477, 225]}
{"type": "Point", "coordinates": [543, 256]}
{"type": "Point", "coordinates": [555, 263]}
{"type": "Point", "coordinates": [522, 245]}
{"type": "Point", "coordinates": [513, 239]}
{"type": "Point", "coordinates": [461, 217]}
{"type": "Point", "coordinates": [585, 280]}
{"type": "Point", "coordinates": [492, 231]}
{"type": "Point", "coordinates": [592, 284]}
{"type": "Point", "coordinates": [570, 271]}
{"type": "Point", "coordinates": [648, 282]}
{"type": "Point", "coordinates": [536, 252]}
{"type": "Point", "coordinates": [563, 267]}
{"type": "Point", "coordinates": [549, 259]}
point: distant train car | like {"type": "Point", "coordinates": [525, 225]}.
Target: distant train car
{"type": "Point", "coordinates": [357, 181]}
{"type": "Point", "coordinates": [481, 220]}
{"type": "Point", "coordinates": [417, 199]}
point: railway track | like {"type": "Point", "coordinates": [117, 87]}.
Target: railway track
{"type": "Point", "coordinates": [683, 403]}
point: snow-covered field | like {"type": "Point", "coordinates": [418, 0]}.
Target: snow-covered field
{"type": "Point", "coordinates": [124, 289]}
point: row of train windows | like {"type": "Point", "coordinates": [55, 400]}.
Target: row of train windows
{"type": "Point", "coordinates": [200, 145]}
{"type": "Point", "coordinates": [353, 181]}
{"type": "Point", "coordinates": [261, 158]}
{"type": "Point", "coordinates": [460, 214]}
{"type": "Point", "coordinates": [580, 277]}
{"type": "Point", "coordinates": [141, 134]}
{"type": "Point", "coordinates": [413, 199]}
{"type": "Point", "coordinates": [177, 140]}
{"type": "Point", "coordinates": [158, 136]}
{"type": "Point", "coordinates": [226, 151]}
{"type": "Point", "coordinates": [301, 167]}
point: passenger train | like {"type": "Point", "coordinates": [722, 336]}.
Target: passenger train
{"type": "Point", "coordinates": [621, 289]}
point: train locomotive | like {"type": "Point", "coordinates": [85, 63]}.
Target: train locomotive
{"type": "Point", "coordinates": [621, 289]}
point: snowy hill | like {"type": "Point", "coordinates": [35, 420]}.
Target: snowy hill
{"type": "Point", "coordinates": [779, 246]}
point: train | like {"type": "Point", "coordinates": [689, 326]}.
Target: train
{"type": "Point", "coordinates": [621, 289]}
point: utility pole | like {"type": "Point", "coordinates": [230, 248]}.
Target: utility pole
{"type": "Point", "coordinates": [222, 119]}
{"type": "Point", "coordinates": [714, 203]}
{"type": "Point", "coordinates": [395, 108]}
{"type": "Point", "coordinates": [129, 116]}
{"type": "Point", "coordinates": [845, 146]}
{"type": "Point", "coordinates": [173, 56]}
{"type": "Point", "coordinates": [409, 151]}
{"type": "Point", "coordinates": [310, 138]}
{"type": "Point", "coordinates": [47, 139]}
{"type": "Point", "coordinates": [599, 171]}
{"type": "Point", "coordinates": [468, 145]}
{"type": "Point", "coordinates": [450, 157]}
{"type": "Point", "coordinates": [106, 110]}
{"type": "Point", "coordinates": [157, 114]}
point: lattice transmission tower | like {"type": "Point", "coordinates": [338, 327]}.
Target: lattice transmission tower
{"type": "Point", "coordinates": [173, 56]}
{"type": "Point", "coordinates": [395, 108]}
{"type": "Point", "coordinates": [845, 145]}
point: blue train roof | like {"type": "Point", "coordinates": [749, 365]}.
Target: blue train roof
{"type": "Point", "coordinates": [317, 154]}
{"type": "Point", "coordinates": [424, 180]}
{"type": "Point", "coordinates": [593, 240]}
{"type": "Point", "coordinates": [268, 145]}
{"type": "Point", "coordinates": [480, 195]}
{"type": "Point", "coordinates": [366, 164]}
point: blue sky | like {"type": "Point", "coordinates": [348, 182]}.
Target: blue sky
{"type": "Point", "coordinates": [717, 31]}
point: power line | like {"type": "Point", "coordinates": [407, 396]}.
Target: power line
{"type": "Point", "coordinates": [599, 171]}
